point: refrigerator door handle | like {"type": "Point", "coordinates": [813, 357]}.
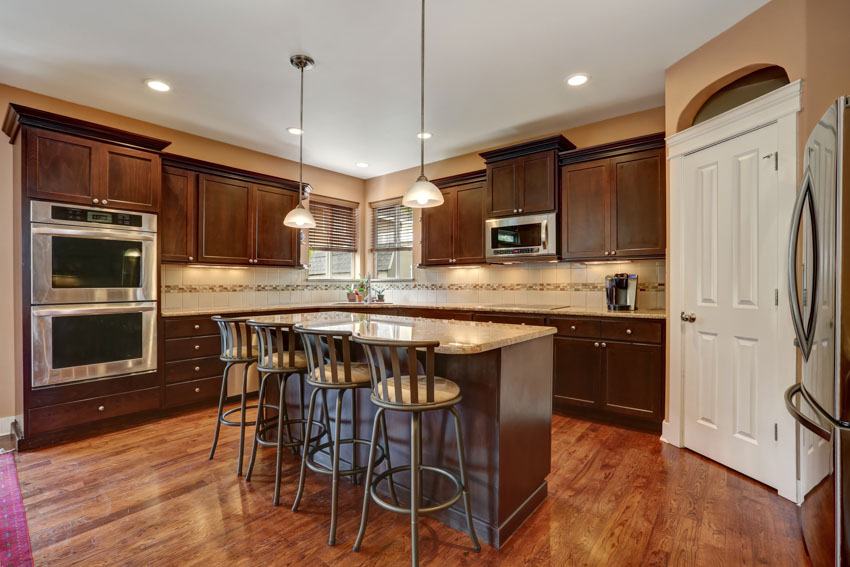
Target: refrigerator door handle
{"type": "Point", "coordinates": [798, 416]}
{"type": "Point", "coordinates": [804, 331]}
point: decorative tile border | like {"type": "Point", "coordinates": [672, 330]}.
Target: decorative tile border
{"type": "Point", "coordinates": [325, 286]}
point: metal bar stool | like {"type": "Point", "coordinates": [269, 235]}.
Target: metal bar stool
{"type": "Point", "coordinates": [236, 348]}
{"type": "Point", "coordinates": [392, 390]}
{"type": "Point", "coordinates": [276, 356]}
{"type": "Point", "coordinates": [327, 372]}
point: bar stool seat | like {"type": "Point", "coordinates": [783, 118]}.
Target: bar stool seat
{"type": "Point", "coordinates": [444, 391]}
{"type": "Point", "coordinates": [359, 374]}
{"type": "Point", "coordinates": [299, 360]}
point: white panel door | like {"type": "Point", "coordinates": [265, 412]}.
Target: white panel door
{"type": "Point", "coordinates": [732, 243]}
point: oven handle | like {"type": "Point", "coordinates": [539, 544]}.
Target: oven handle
{"type": "Point", "coordinates": [104, 233]}
{"type": "Point", "coordinates": [79, 310]}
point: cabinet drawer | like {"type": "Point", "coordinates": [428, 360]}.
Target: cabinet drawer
{"type": "Point", "coordinates": [510, 319]}
{"type": "Point", "coordinates": [51, 418]}
{"type": "Point", "coordinates": [193, 368]}
{"type": "Point", "coordinates": [195, 391]}
{"type": "Point", "coordinates": [192, 347]}
{"type": "Point", "coordinates": [633, 331]}
{"type": "Point", "coordinates": [589, 328]}
{"type": "Point", "coordinates": [178, 328]}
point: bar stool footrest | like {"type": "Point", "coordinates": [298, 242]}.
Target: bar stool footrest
{"type": "Point", "coordinates": [271, 423]}
{"type": "Point", "coordinates": [236, 423]}
{"type": "Point", "coordinates": [373, 490]}
{"type": "Point", "coordinates": [316, 467]}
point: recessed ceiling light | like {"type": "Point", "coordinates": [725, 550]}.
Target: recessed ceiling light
{"type": "Point", "coordinates": [577, 79]}
{"type": "Point", "coordinates": [295, 131]}
{"type": "Point", "coordinates": [423, 135]}
{"type": "Point", "coordinates": [157, 85]}
{"type": "Point", "coordinates": [361, 164]}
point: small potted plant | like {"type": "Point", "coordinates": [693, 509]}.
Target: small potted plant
{"type": "Point", "coordinates": [380, 294]}
{"type": "Point", "coordinates": [360, 288]}
{"type": "Point", "coordinates": [351, 293]}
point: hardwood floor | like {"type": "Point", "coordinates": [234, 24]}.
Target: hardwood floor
{"type": "Point", "coordinates": [149, 496]}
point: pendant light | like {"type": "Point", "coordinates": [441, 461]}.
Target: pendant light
{"type": "Point", "coordinates": [423, 193]}
{"type": "Point", "coordinates": [299, 217]}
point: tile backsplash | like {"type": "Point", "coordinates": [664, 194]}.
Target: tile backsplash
{"type": "Point", "coordinates": [574, 284]}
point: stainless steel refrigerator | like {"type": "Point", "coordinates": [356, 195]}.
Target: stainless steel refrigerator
{"type": "Point", "coordinates": [819, 292]}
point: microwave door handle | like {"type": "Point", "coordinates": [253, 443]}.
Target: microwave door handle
{"type": "Point", "coordinates": [544, 233]}
{"type": "Point", "coordinates": [802, 419]}
{"type": "Point", "coordinates": [793, 284]}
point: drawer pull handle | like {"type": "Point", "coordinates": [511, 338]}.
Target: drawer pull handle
{"type": "Point", "coordinates": [197, 369]}
{"type": "Point", "coordinates": [197, 390]}
{"type": "Point", "coordinates": [628, 331]}
{"type": "Point", "coordinates": [197, 347]}
{"type": "Point", "coordinates": [197, 327]}
{"type": "Point", "coordinates": [101, 408]}
{"type": "Point", "coordinates": [572, 327]}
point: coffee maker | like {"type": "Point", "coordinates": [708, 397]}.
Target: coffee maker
{"type": "Point", "coordinates": [621, 292]}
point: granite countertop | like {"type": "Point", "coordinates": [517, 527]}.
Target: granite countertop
{"type": "Point", "coordinates": [483, 307]}
{"type": "Point", "coordinates": [455, 337]}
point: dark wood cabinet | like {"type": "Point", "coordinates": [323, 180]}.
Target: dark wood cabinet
{"type": "Point", "coordinates": [74, 169]}
{"type": "Point", "coordinates": [274, 244]}
{"type": "Point", "coordinates": [453, 233]}
{"type": "Point", "coordinates": [224, 220]}
{"type": "Point", "coordinates": [610, 368]}
{"type": "Point", "coordinates": [178, 215]}
{"type": "Point", "coordinates": [523, 178]}
{"type": "Point", "coordinates": [613, 200]}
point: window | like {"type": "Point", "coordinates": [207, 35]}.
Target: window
{"type": "Point", "coordinates": [333, 243]}
{"type": "Point", "coordinates": [392, 241]}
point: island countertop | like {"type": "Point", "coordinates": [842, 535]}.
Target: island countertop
{"type": "Point", "coordinates": [455, 337]}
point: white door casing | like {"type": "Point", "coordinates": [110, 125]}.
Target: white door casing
{"type": "Point", "coordinates": [743, 412]}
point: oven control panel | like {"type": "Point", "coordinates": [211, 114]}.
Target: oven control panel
{"type": "Point", "coordinates": [94, 216]}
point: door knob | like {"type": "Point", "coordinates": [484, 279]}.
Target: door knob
{"type": "Point", "coordinates": [688, 317]}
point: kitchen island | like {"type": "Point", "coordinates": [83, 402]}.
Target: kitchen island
{"type": "Point", "coordinates": [505, 377]}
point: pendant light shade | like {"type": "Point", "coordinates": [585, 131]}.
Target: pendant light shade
{"type": "Point", "coordinates": [299, 217]}
{"type": "Point", "coordinates": [422, 194]}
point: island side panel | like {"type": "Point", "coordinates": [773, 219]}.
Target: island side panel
{"type": "Point", "coordinates": [525, 430]}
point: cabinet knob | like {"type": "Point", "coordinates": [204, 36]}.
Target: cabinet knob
{"type": "Point", "coordinates": [596, 345]}
{"type": "Point", "coordinates": [101, 408]}
{"type": "Point", "coordinates": [197, 390]}
{"type": "Point", "coordinates": [572, 327]}
{"type": "Point", "coordinates": [197, 327]}
{"type": "Point", "coordinates": [520, 210]}
{"type": "Point", "coordinates": [104, 202]}
{"type": "Point", "coordinates": [515, 210]}
{"type": "Point", "coordinates": [613, 252]}
{"type": "Point", "coordinates": [604, 345]}
{"type": "Point", "coordinates": [197, 369]}
{"type": "Point", "coordinates": [197, 347]}
{"type": "Point", "coordinates": [191, 259]}
{"type": "Point", "coordinates": [95, 201]}
{"type": "Point", "coordinates": [628, 331]}
{"type": "Point", "coordinates": [606, 252]}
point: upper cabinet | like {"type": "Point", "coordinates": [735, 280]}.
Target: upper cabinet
{"type": "Point", "coordinates": [613, 200]}
{"type": "Point", "coordinates": [225, 219]}
{"type": "Point", "coordinates": [74, 161]}
{"type": "Point", "coordinates": [522, 179]}
{"type": "Point", "coordinates": [453, 233]}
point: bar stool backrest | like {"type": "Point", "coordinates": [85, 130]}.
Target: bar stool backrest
{"type": "Point", "coordinates": [236, 338]}
{"type": "Point", "coordinates": [381, 351]}
{"type": "Point", "coordinates": [323, 355]}
{"type": "Point", "coordinates": [274, 338]}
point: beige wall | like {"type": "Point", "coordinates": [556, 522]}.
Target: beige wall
{"type": "Point", "coordinates": [323, 181]}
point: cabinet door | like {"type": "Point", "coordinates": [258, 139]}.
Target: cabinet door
{"type": "Point", "coordinates": [224, 207]}
{"type": "Point", "coordinates": [469, 224]}
{"type": "Point", "coordinates": [638, 195]}
{"type": "Point", "coordinates": [538, 183]}
{"type": "Point", "coordinates": [61, 167]}
{"type": "Point", "coordinates": [634, 374]}
{"type": "Point", "coordinates": [502, 188]}
{"type": "Point", "coordinates": [177, 216]}
{"type": "Point", "coordinates": [437, 231]}
{"type": "Point", "coordinates": [131, 179]}
{"type": "Point", "coordinates": [585, 211]}
{"type": "Point", "coordinates": [578, 372]}
{"type": "Point", "coordinates": [274, 243]}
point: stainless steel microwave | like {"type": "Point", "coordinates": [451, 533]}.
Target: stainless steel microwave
{"type": "Point", "coordinates": [521, 237]}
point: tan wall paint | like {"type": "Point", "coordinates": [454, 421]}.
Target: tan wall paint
{"type": "Point", "coordinates": [323, 181]}
{"type": "Point", "coordinates": [827, 69]}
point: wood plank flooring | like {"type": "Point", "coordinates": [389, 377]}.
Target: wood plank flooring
{"type": "Point", "coordinates": [149, 496]}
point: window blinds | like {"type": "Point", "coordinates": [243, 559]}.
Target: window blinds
{"type": "Point", "coordinates": [336, 227]}
{"type": "Point", "coordinates": [392, 227]}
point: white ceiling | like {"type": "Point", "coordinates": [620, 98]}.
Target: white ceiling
{"type": "Point", "coordinates": [494, 72]}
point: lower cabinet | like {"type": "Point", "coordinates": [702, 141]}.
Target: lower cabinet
{"type": "Point", "coordinates": [608, 376]}
{"type": "Point", "coordinates": [193, 370]}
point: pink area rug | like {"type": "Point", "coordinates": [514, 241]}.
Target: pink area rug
{"type": "Point", "coordinates": [14, 537]}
